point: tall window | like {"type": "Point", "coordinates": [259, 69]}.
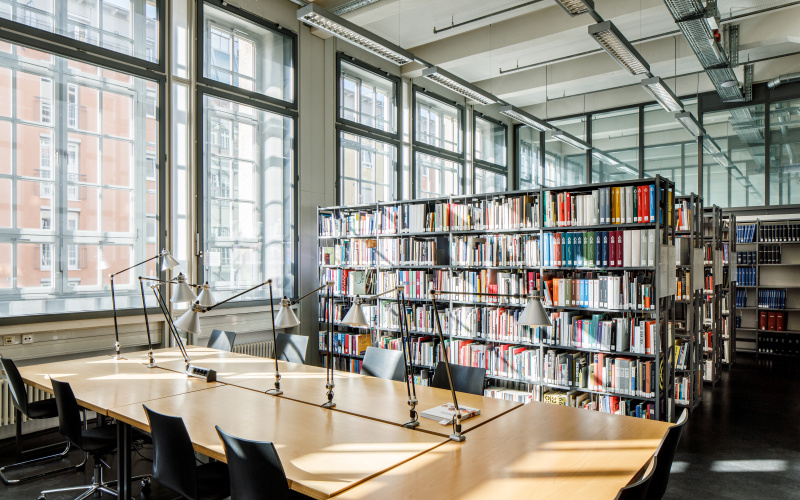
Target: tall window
{"type": "Point", "coordinates": [489, 141]}
{"type": "Point", "coordinates": [615, 135]}
{"type": "Point", "coordinates": [528, 157]}
{"type": "Point", "coordinates": [369, 135]}
{"type": "Point", "coordinates": [247, 150]}
{"type": "Point", "coordinates": [669, 150]}
{"type": "Point", "coordinates": [784, 152]}
{"type": "Point", "coordinates": [439, 156]}
{"type": "Point", "coordinates": [63, 163]}
{"type": "Point", "coordinates": [565, 165]}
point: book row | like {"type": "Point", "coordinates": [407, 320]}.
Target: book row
{"type": "Point", "coordinates": [775, 233]}
{"type": "Point", "coordinates": [508, 361]}
{"type": "Point", "coordinates": [772, 320]}
{"type": "Point", "coordinates": [683, 215]}
{"type": "Point", "coordinates": [741, 298]}
{"type": "Point", "coordinates": [600, 402]}
{"type": "Point", "coordinates": [346, 343]}
{"type": "Point", "coordinates": [772, 299]}
{"type": "Point", "coordinates": [746, 276]}
{"type": "Point", "coordinates": [601, 332]}
{"type": "Point", "coordinates": [683, 389]}
{"type": "Point", "coordinates": [350, 282]}
{"type": "Point", "coordinates": [495, 250]}
{"type": "Point", "coordinates": [745, 233]}
{"type": "Point", "coordinates": [416, 284]}
{"type": "Point", "coordinates": [349, 252]}
{"type": "Point", "coordinates": [624, 248]}
{"type": "Point", "coordinates": [600, 372]}
{"type": "Point", "coordinates": [607, 205]}
{"type": "Point", "coordinates": [419, 317]}
{"type": "Point", "coordinates": [683, 286]}
{"type": "Point", "coordinates": [359, 223]}
{"type": "Point", "coordinates": [746, 258]}
{"type": "Point", "coordinates": [770, 254]}
{"type": "Point", "coordinates": [632, 290]}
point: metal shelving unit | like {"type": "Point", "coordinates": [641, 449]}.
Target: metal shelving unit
{"type": "Point", "coordinates": [713, 294]}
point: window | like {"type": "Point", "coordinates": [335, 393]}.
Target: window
{"type": "Point", "coordinates": [252, 57]}
{"type": "Point", "coordinates": [565, 165]}
{"type": "Point", "coordinates": [669, 150]}
{"type": "Point", "coordinates": [736, 176]}
{"type": "Point", "coordinates": [151, 170]}
{"type": "Point", "coordinates": [367, 98]}
{"type": "Point", "coordinates": [368, 169]}
{"type": "Point", "coordinates": [439, 157]}
{"type": "Point", "coordinates": [616, 135]}
{"type": "Point", "coordinates": [491, 173]}
{"type": "Point", "coordinates": [529, 159]}
{"type": "Point", "coordinates": [784, 153]}
{"type": "Point", "coordinates": [66, 162]}
{"type": "Point", "coordinates": [151, 105]}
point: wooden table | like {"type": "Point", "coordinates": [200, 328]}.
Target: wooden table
{"type": "Point", "coordinates": [323, 452]}
{"type": "Point", "coordinates": [540, 450]}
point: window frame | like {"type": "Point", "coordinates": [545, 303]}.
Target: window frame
{"type": "Point", "coordinates": [483, 164]}
{"type": "Point", "coordinates": [427, 149]}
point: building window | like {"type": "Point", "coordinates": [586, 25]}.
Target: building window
{"type": "Point", "coordinates": [489, 141]}
{"type": "Point", "coordinates": [368, 169]}
{"type": "Point", "coordinates": [616, 135]}
{"type": "Point", "coordinates": [439, 156]}
{"type": "Point", "coordinates": [437, 176]}
{"type": "Point", "coordinates": [45, 167]}
{"type": "Point", "coordinates": [72, 106]}
{"type": "Point", "coordinates": [47, 222]}
{"type": "Point", "coordinates": [669, 150]}
{"type": "Point", "coordinates": [565, 165]}
{"type": "Point", "coordinates": [73, 172]}
{"type": "Point", "coordinates": [73, 219]}
{"type": "Point", "coordinates": [45, 257]}
{"type": "Point", "coordinates": [46, 101]}
{"type": "Point", "coordinates": [72, 257]}
{"type": "Point", "coordinates": [151, 104]}
{"type": "Point", "coordinates": [151, 170]}
{"type": "Point", "coordinates": [367, 98]}
{"type": "Point", "coordinates": [528, 159]}
{"type": "Point", "coordinates": [438, 124]}
{"type": "Point", "coordinates": [784, 153]}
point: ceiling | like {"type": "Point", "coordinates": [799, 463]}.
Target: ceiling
{"type": "Point", "coordinates": [531, 51]}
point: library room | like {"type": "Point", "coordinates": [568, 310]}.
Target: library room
{"type": "Point", "coordinates": [391, 249]}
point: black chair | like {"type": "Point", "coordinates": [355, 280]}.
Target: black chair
{"type": "Point", "coordinates": [174, 463]}
{"type": "Point", "coordinates": [33, 410]}
{"type": "Point", "coordinates": [665, 455]}
{"type": "Point", "coordinates": [256, 470]}
{"type": "Point", "coordinates": [97, 442]}
{"type": "Point", "coordinates": [383, 363]}
{"type": "Point", "coordinates": [291, 348]}
{"type": "Point", "coordinates": [638, 490]}
{"type": "Point", "coordinates": [465, 378]}
{"type": "Point", "coordinates": [221, 340]}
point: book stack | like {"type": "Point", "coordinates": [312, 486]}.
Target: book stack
{"type": "Point", "coordinates": [419, 317]}
{"type": "Point", "coordinates": [607, 205]}
{"type": "Point", "coordinates": [772, 299]}
{"type": "Point", "coordinates": [782, 232]}
{"type": "Point", "coordinates": [741, 298]}
{"type": "Point", "coordinates": [491, 323]}
{"type": "Point", "coordinates": [746, 258]}
{"type": "Point", "coordinates": [340, 310]}
{"type": "Point", "coordinates": [624, 248]}
{"type": "Point", "coordinates": [346, 343]}
{"type": "Point", "coordinates": [361, 252]}
{"type": "Point", "coordinates": [361, 223]}
{"type": "Point", "coordinates": [632, 290]}
{"type": "Point", "coordinates": [683, 215]}
{"type": "Point", "coordinates": [745, 233]}
{"type": "Point", "coordinates": [416, 283]}
{"type": "Point", "coordinates": [467, 283]}
{"type": "Point", "coordinates": [599, 332]}
{"type": "Point", "coordinates": [683, 389]}
{"type": "Point", "coordinates": [508, 394]}
{"type": "Point", "coordinates": [770, 254]}
{"type": "Point", "coordinates": [411, 251]}
{"type": "Point", "coordinates": [746, 276]}
{"type": "Point", "coordinates": [495, 250]}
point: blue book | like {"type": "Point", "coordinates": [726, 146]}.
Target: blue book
{"type": "Point", "coordinates": [579, 248]}
{"type": "Point", "coordinates": [605, 248]}
{"type": "Point", "coordinates": [652, 202]}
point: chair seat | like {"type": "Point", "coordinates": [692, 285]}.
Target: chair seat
{"type": "Point", "coordinates": [99, 440]}
{"type": "Point", "coordinates": [43, 409]}
{"type": "Point", "coordinates": [213, 481]}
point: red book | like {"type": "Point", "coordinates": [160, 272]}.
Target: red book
{"type": "Point", "coordinates": [762, 320]}
{"type": "Point", "coordinates": [560, 209]}
{"type": "Point", "coordinates": [620, 248]}
{"type": "Point", "coordinates": [646, 208]}
{"type": "Point", "coordinates": [771, 324]}
{"type": "Point", "coordinates": [639, 204]}
{"type": "Point", "coordinates": [567, 209]}
{"type": "Point", "coordinates": [612, 249]}
{"type": "Point", "coordinates": [780, 321]}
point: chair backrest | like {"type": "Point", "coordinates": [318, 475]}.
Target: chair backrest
{"type": "Point", "coordinates": [291, 348]}
{"type": "Point", "coordinates": [173, 457]}
{"type": "Point", "coordinates": [638, 490]}
{"type": "Point", "coordinates": [665, 455]}
{"type": "Point", "coordinates": [465, 378]}
{"type": "Point", "coordinates": [15, 384]}
{"type": "Point", "coordinates": [221, 340]}
{"type": "Point", "coordinates": [383, 363]}
{"type": "Point", "coordinates": [69, 413]}
{"type": "Point", "coordinates": [255, 469]}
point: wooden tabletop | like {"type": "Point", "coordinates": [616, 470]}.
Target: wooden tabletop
{"type": "Point", "coordinates": [323, 452]}
{"type": "Point", "coordinates": [101, 382]}
{"type": "Point", "coordinates": [540, 450]}
{"type": "Point", "coordinates": [380, 399]}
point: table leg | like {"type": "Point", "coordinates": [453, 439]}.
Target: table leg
{"type": "Point", "coordinates": [123, 460]}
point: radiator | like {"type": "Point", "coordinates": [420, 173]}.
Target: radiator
{"type": "Point", "coordinates": [262, 349]}
{"type": "Point", "coordinates": [7, 405]}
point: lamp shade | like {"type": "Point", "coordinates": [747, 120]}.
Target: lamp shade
{"type": "Point", "coordinates": [168, 261]}
{"type": "Point", "coordinates": [189, 321]}
{"type": "Point", "coordinates": [355, 316]}
{"type": "Point", "coordinates": [286, 317]}
{"type": "Point", "coordinates": [183, 292]}
{"type": "Point", "coordinates": [205, 298]}
{"type": "Point", "coordinates": [534, 314]}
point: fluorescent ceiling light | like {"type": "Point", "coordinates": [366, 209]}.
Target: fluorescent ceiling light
{"type": "Point", "coordinates": [627, 169]}
{"type": "Point", "coordinates": [604, 157]}
{"type": "Point", "coordinates": [688, 121]}
{"type": "Point", "coordinates": [609, 37]}
{"type": "Point", "coordinates": [456, 84]}
{"type": "Point", "coordinates": [711, 146]}
{"type": "Point", "coordinates": [723, 160]}
{"type": "Point", "coordinates": [661, 92]}
{"type": "Point", "coordinates": [342, 28]}
{"type": "Point", "coordinates": [576, 7]}
{"type": "Point", "coordinates": [526, 118]}
{"type": "Point", "coordinates": [570, 139]}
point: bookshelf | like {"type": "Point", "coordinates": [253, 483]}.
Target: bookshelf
{"type": "Point", "coordinates": [688, 386]}
{"type": "Point", "coordinates": [768, 312]}
{"type": "Point", "coordinates": [713, 293]}
{"type": "Point", "coordinates": [729, 270]}
{"type": "Point", "coordinates": [494, 243]}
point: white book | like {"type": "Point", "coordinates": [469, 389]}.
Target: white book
{"type": "Point", "coordinates": [596, 208]}
{"type": "Point", "coordinates": [623, 207]}
{"type": "Point", "coordinates": [636, 248]}
{"type": "Point", "coordinates": [626, 248]}
{"type": "Point", "coordinates": [643, 247]}
{"type": "Point", "coordinates": [651, 247]}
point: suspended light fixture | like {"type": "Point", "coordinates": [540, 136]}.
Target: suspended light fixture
{"type": "Point", "coordinates": [341, 28]}
{"type": "Point", "coordinates": [661, 92]}
{"type": "Point", "coordinates": [618, 47]}
{"type": "Point", "coordinates": [526, 118]}
{"type": "Point", "coordinates": [605, 158]}
{"type": "Point", "coordinates": [690, 123]}
{"type": "Point", "coordinates": [570, 139]}
{"type": "Point", "coordinates": [576, 7]}
{"type": "Point", "coordinates": [710, 145]}
{"type": "Point", "coordinates": [456, 84]}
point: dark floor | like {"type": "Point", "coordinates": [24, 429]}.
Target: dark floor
{"type": "Point", "coordinates": [742, 442]}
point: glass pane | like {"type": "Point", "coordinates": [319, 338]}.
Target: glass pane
{"type": "Point", "coordinates": [367, 98]}
{"type": "Point", "coordinates": [248, 170]}
{"type": "Point", "coordinates": [616, 135]}
{"type": "Point", "coordinates": [669, 150]}
{"type": "Point", "coordinates": [76, 181]}
{"type": "Point", "coordinates": [490, 142]}
{"type": "Point", "coordinates": [529, 156]}
{"type": "Point", "coordinates": [368, 169]}
{"type": "Point", "coordinates": [487, 181]}
{"type": "Point", "coordinates": [129, 27]}
{"type": "Point", "coordinates": [784, 153]}
{"type": "Point", "coordinates": [735, 177]}
{"type": "Point", "coordinates": [246, 55]}
{"type": "Point", "coordinates": [182, 232]}
{"type": "Point", "coordinates": [436, 176]}
{"type": "Point", "coordinates": [575, 126]}
{"type": "Point", "coordinates": [438, 124]}
{"type": "Point", "coordinates": [564, 165]}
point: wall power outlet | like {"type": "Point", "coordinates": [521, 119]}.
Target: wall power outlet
{"type": "Point", "coordinates": [27, 339]}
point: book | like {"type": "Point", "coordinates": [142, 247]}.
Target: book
{"type": "Point", "coordinates": [446, 413]}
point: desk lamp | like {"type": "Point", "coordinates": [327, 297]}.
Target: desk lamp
{"type": "Point", "coordinates": [355, 317]}
{"type": "Point", "coordinates": [167, 263]}
{"type": "Point", "coordinates": [533, 315]}
{"type": "Point", "coordinates": [287, 319]}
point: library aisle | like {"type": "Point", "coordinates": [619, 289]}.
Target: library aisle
{"type": "Point", "coordinates": [744, 440]}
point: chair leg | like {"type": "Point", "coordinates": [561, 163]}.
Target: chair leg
{"type": "Point", "coordinates": [89, 489]}
{"type": "Point", "coordinates": [49, 458]}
